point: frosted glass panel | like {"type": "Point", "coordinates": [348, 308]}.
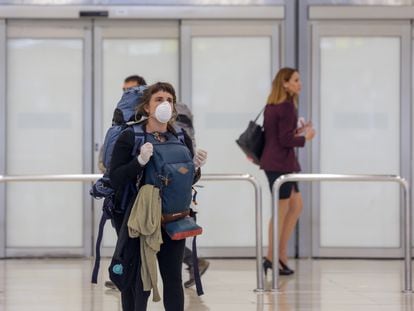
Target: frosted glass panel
{"type": "Point", "coordinates": [44, 136]}
{"type": "Point", "coordinates": [154, 59]}
{"type": "Point", "coordinates": [359, 133]}
{"type": "Point", "coordinates": [230, 82]}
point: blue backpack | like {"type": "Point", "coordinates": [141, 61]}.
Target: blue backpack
{"type": "Point", "coordinates": [126, 107]}
{"type": "Point", "coordinates": [171, 169]}
{"type": "Point", "coordinates": [124, 111]}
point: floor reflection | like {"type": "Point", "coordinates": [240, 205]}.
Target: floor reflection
{"type": "Point", "coordinates": [323, 285]}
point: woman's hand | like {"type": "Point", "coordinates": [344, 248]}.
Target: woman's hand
{"type": "Point", "coordinates": [303, 127]}
{"type": "Point", "coordinates": [310, 133]}
{"type": "Point", "coordinates": [145, 153]}
{"type": "Point", "coordinates": [200, 158]}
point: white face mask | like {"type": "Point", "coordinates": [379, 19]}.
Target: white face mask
{"type": "Point", "coordinates": [163, 112]}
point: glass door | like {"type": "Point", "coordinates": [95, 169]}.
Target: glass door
{"type": "Point", "coordinates": [226, 84]}
{"type": "Point", "coordinates": [146, 48]}
{"type": "Point", "coordinates": [360, 111]}
{"type": "Point", "coordinates": [47, 98]}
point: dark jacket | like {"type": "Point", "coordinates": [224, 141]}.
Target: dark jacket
{"type": "Point", "coordinates": [280, 122]}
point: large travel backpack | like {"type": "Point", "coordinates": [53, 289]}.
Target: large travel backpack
{"type": "Point", "coordinates": [124, 112]}
{"type": "Point", "coordinates": [125, 109]}
{"type": "Point", "coordinates": [102, 188]}
{"type": "Point", "coordinates": [184, 120]}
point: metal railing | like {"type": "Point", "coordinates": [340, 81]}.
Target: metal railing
{"type": "Point", "coordinates": [204, 177]}
{"type": "Point", "coordinates": [340, 177]}
{"type": "Point", "coordinates": [63, 177]}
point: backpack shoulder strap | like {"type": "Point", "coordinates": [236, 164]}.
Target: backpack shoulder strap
{"type": "Point", "coordinates": [139, 132]}
{"type": "Point", "coordinates": [105, 216]}
{"type": "Point", "coordinates": [179, 132]}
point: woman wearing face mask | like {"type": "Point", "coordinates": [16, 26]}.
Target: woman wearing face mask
{"type": "Point", "coordinates": [158, 106]}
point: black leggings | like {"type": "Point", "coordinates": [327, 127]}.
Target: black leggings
{"type": "Point", "coordinates": [170, 258]}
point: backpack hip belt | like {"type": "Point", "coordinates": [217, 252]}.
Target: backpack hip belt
{"type": "Point", "coordinates": [171, 217]}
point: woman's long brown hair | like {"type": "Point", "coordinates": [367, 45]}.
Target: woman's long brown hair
{"type": "Point", "coordinates": [278, 93]}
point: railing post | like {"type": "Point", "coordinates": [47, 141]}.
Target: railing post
{"type": "Point", "coordinates": [275, 219]}
{"type": "Point", "coordinates": [259, 234]}
{"type": "Point", "coordinates": [407, 238]}
{"type": "Point", "coordinates": [258, 218]}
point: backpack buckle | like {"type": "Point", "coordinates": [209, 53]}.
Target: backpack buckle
{"type": "Point", "coordinates": [165, 180]}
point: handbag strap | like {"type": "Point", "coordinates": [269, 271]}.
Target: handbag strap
{"type": "Point", "coordinates": [261, 111]}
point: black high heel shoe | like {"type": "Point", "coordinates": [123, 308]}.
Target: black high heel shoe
{"type": "Point", "coordinates": [286, 267]}
{"type": "Point", "coordinates": [267, 264]}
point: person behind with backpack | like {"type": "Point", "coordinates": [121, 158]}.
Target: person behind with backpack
{"type": "Point", "coordinates": [132, 88]}
{"type": "Point", "coordinates": [184, 120]}
{"type": "Point", "coordinates": [119, 117]}
{"type": "Point", "coordinates": [127, 168]}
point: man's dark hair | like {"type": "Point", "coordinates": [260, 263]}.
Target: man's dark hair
{"type": "Point", "coordinates": [135, 78]}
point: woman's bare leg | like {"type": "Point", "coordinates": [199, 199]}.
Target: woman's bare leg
{"type": "Point", "coordinates": [282, 213]}
{"type": "Point", "coordinates": [291, 218]}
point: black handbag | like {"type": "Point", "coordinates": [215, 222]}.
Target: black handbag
{"type": "Point", "coordinates": [251, 141]}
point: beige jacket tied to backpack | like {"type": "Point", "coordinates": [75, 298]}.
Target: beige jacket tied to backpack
{"type": "Point", "coordinates": [145, 222]}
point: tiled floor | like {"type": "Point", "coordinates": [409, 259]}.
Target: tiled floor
{"type": "Point", "coordinates": [331, 285]}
